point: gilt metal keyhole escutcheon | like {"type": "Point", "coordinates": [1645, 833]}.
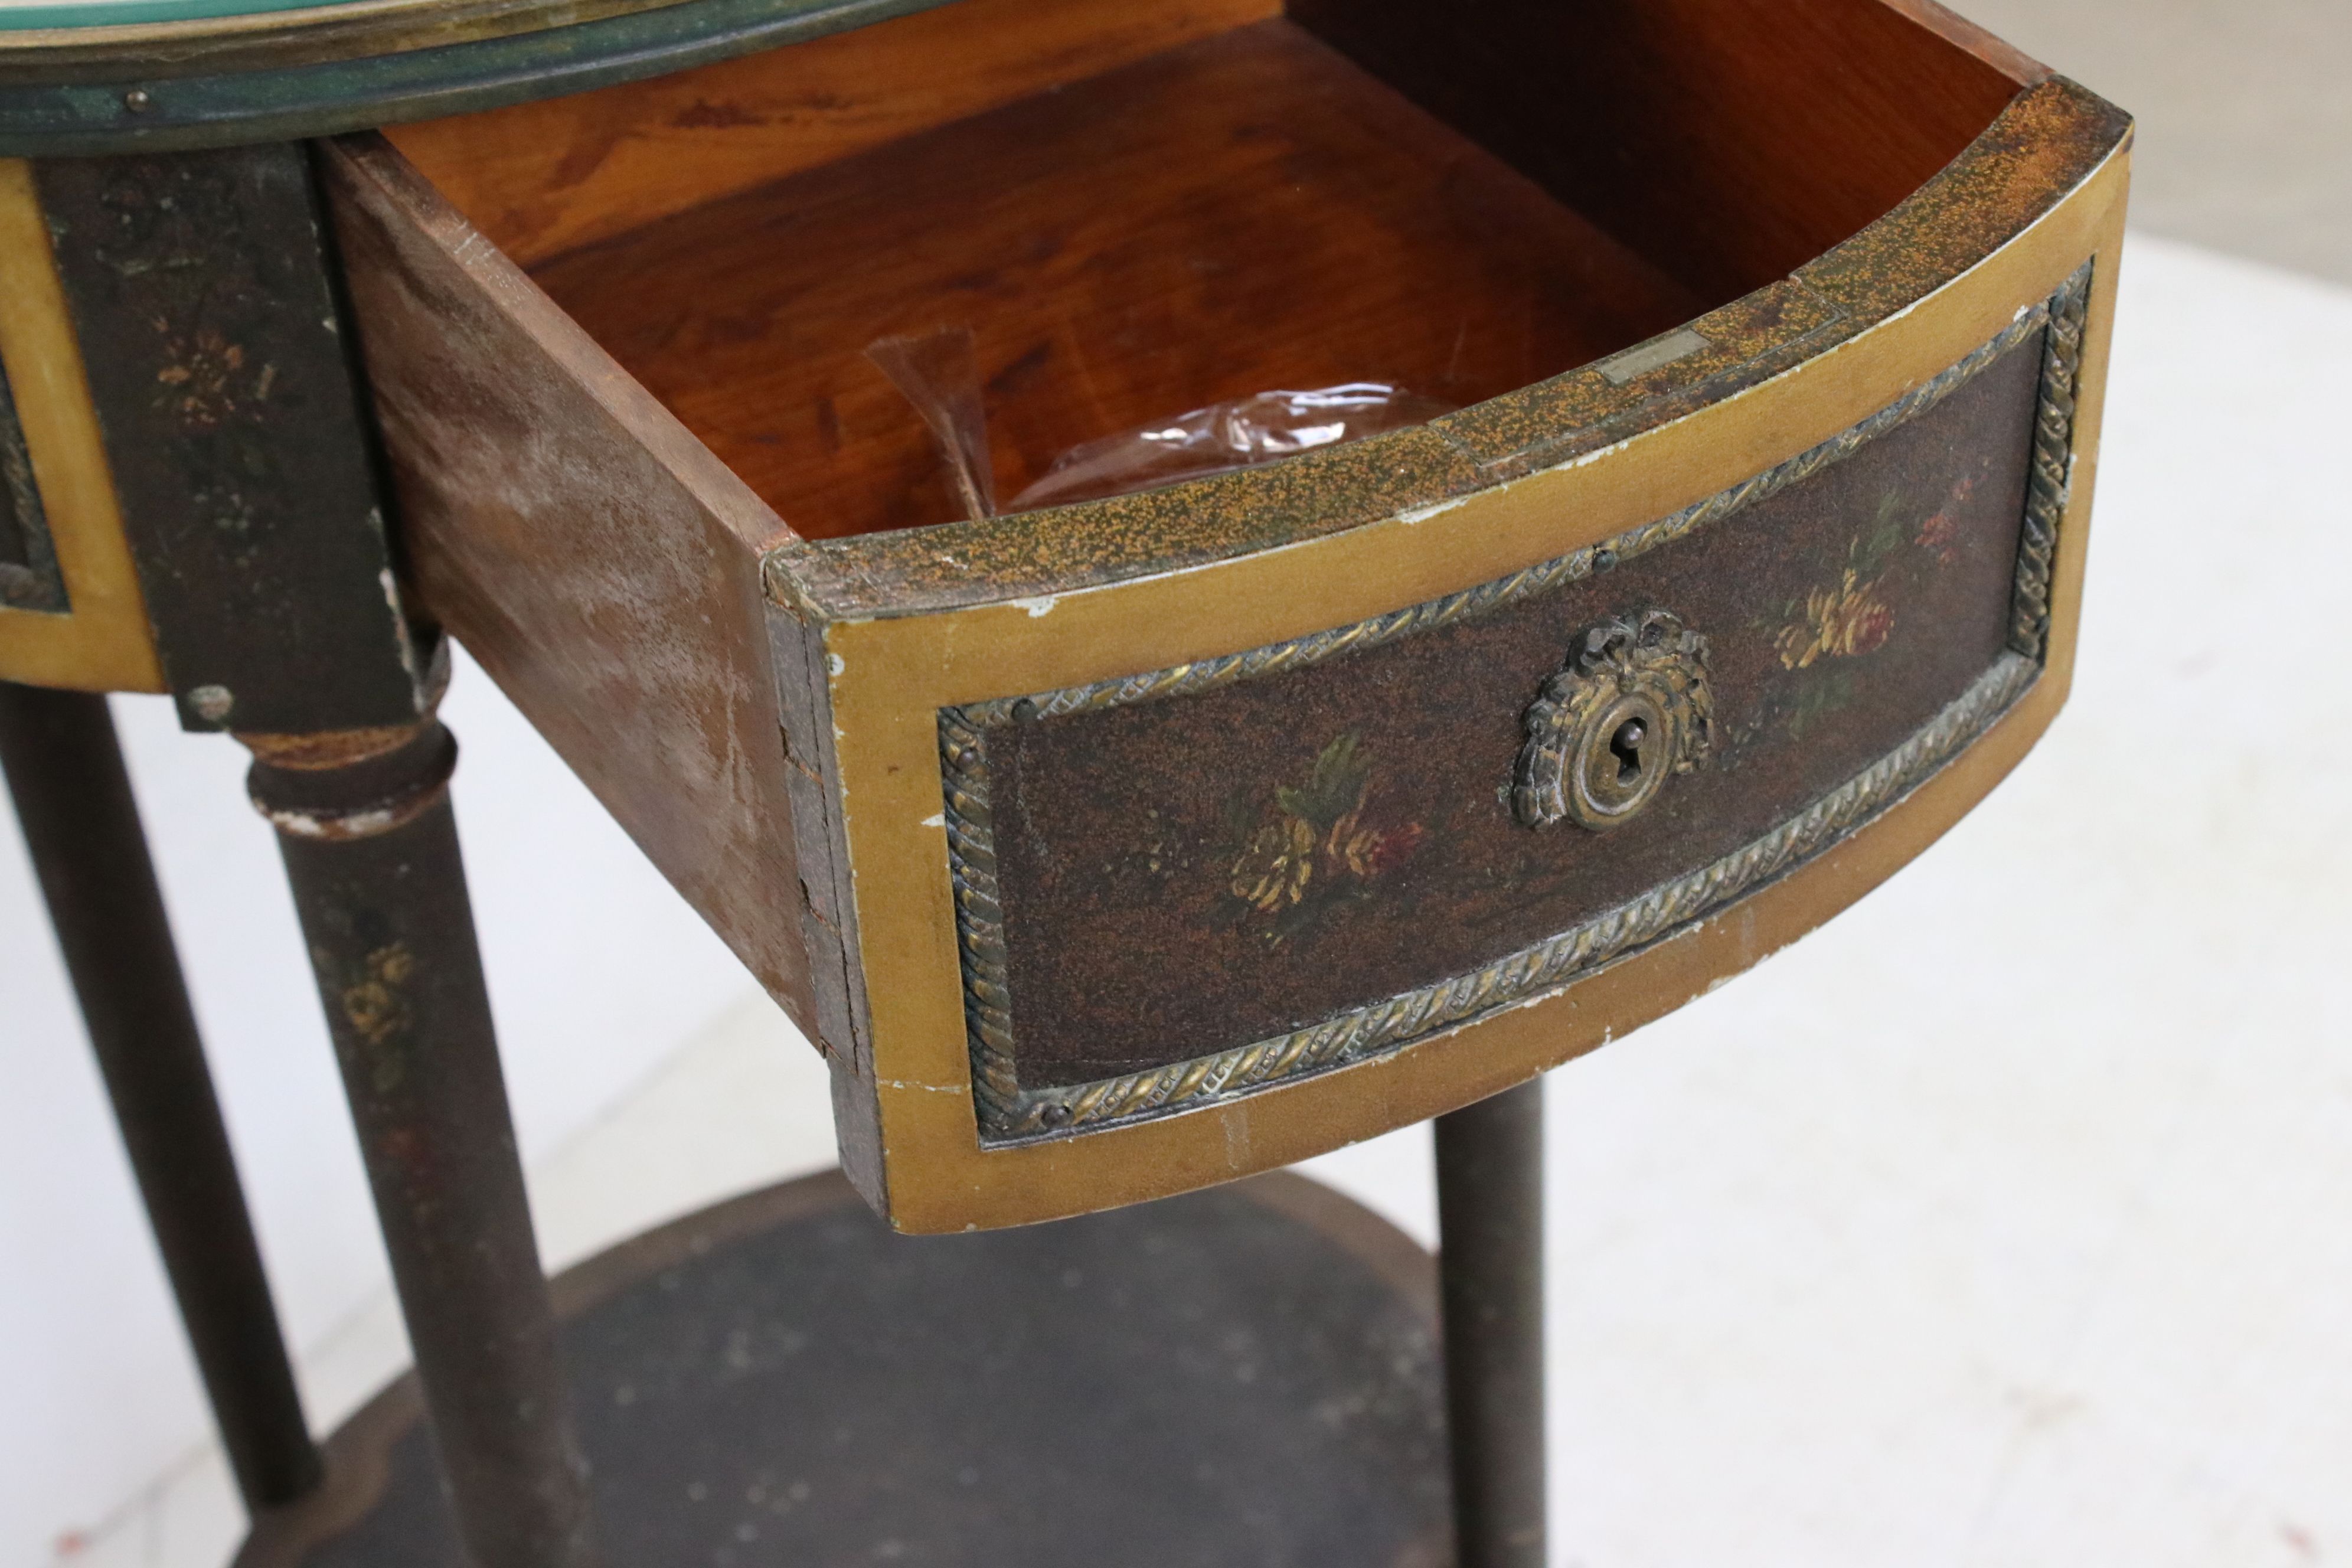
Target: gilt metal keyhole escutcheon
{"type": "Point", "coordinates": [1632, 709]}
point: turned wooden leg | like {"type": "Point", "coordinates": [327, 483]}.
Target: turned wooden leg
{"type": "Point", "coordinates": [371, 847]}
{"type": "Point", "coordinates": [1490, 1260]}
{"type": "Point", "coordinates": [74, 804]}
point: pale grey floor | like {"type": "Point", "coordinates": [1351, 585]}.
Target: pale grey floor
{"type": "Point", "coordinates": [2244, 111]}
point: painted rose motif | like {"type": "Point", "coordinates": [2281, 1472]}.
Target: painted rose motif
{"type": "Point", "coordinates": [1941, 534]}
{"type": "Point", "coordinates": [1851, 617]}
{"type": "Point", "coordinates": [1854, 615]}
{"type": "Point", "coordinates": [1313, 848]}
{"type": "Point", "coordinates": [1840, 622]}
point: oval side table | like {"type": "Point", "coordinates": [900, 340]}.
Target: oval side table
{"type": "Point", "coordinates": [1109, 852]}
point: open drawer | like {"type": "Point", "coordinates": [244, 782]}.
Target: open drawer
{"type": "Point", "coordinates": [1116, 848]}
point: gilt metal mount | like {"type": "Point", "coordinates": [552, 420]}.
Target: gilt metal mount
{"type": "Point", "coordinates": [1632, 709]}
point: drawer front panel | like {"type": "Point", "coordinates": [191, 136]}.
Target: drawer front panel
{"type": "Point", "coordinates": [1199, 881]}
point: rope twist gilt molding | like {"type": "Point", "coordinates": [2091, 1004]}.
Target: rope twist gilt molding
{"type": "Point", "coordinates": [2051, 471]}
{"type": "Point", "coordinates": [1009, 1113]}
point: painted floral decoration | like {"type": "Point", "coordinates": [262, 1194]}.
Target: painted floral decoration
{"type": "Point", "coordinates": [1313, 849]}
{"type": "Point", "coordinates": [204, 380]}
{"type": "Point", "coordinates": [1838, 622]}
{"type": "Point", "coordinates": [1941, 534]}
{"type": "Point", "coordinates": [1851, 617]}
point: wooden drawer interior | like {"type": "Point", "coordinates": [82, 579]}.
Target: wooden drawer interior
{"type": "Point", "coordinates": [1142, 208]}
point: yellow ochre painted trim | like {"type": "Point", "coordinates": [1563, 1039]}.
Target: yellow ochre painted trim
{"type": "Point", "coordinates": [102, 642]}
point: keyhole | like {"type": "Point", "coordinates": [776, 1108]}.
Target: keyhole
{"type": "Point", "coordinates": [1626, 746]}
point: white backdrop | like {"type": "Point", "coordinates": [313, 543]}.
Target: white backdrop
{"type": "Point", "coordinates": [2001, 1224]}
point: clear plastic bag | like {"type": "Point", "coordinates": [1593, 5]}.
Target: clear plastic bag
{"type": "Point", "coordinates": [937, 373]}
{"type": "Point", "coordinates": [941, 376]}
{"type": "Point", "coordinates": [1227, 436]}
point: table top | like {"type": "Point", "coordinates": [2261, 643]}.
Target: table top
{"type": "Point", "coordinates": [84, 77]}
{"type": "Point", "coordinates": [20, 15]}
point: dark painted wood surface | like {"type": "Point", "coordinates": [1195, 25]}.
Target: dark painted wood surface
{"type": "Point", "coordinates": [236, 430]}
{"type": "Point", "coordinates": [1246, 1376]}
{"type": "Point", "coordinates": [1193, 873]}
{"type": "Point", "coordinates": [1242, 214]}
{"type": "Point", "coordinates": [28, 560]}
{"type": "Point", "coordinates": [372, 856]}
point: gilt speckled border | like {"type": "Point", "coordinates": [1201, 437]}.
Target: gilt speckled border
{"type": "Point", "coordinates": [1009, 1113]}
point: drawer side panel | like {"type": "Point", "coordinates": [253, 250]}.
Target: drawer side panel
{"type": "Point", "coordinates": [601, 565]}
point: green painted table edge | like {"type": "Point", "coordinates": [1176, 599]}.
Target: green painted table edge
{"type": "Point", "coordinates": [124, 12]}
{"type": "Point", "coordinates": [125, 113]}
